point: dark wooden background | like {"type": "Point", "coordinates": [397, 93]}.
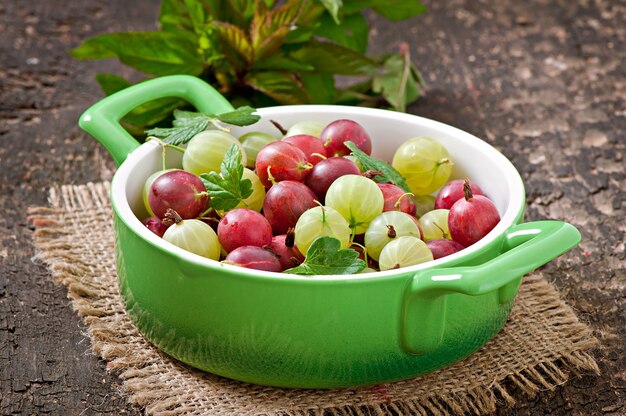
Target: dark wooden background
{"type": "Point", "coordinates": [542, 80]}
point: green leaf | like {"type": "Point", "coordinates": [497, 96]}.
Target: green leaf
{"type": "Point", "coordinates": [282, 86]}
{"type": "Point", "coordinates": [271, 43]}
{"type": "Point", "coordinates": [334, 9]}
{"type": "Point", "coordinates": [269, 28]}
{"type": "Point", "coordinates": [236, 39]}
{"type": "Point", "coordinates": [188, 123]}
{"type": "Point", "coordinates": [391, 9]}
{"type": "Point", "coordinates": [281, 62]}
{"type": "Point", "coordinates": [180, 134]}
{"type": "Point", "coordinates": [400, 9]}
{"type": "Point", "coordinates": [331, 58]}
{"type": "Point", "coordinates": [173, 16]}
{"type": "Point", "coordinates": [308, 21]}
{"type": "Point", "coordinates": [287, 14]}
{"type": "Point", "coordinates": [325, 257]}
{"type": "Point", "coordinates": [400, 83]}
{"type": "Point", "coordinates": [243, 116]}
{"type": "Point", "coordinates": [356, 94]}
{"type": "Point", "coordinates": [245, 7]}
{"type": "Point", "coordinates": [149, 113]}
{"type": "Point", "coordinates": [319, 87]}
{"type": "Point", "coordinates": [389, 174]}
{"type": "Point", "coordinates": [158, 53]}
{"type": "Point", "coordinates": [197, 14]}
{"type": "Point", "coordinates": [111, 83]}
{"type": "Point", "coordinates": [260, 52]}
{"type": "Point", "coordinates": [351, 33]}
{"type": "Point", "coordinates": [93, 48]}
{"type": "Point", "coordinates": [228, 188]}
{"type": "Point", "coordinates": [300, 34]}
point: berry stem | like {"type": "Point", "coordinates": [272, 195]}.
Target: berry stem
{"type": "Point", "coordinates": [404, 195]}
{"type": "Point", "coordinates": [353, 234]}
{"type": "Point", "coordinates": [306, 166]}
{"type": "Point", "coordinates": [163, 147]}
{"type": "Point", "coordinates": [364, 251]}
{"type": "Point", "coordinates": [371, 174]}
{"type": "Point", "coordinates": [290, 239]}
{"type": "Point", "coordinates": [270, 177]}
{"type": "Point", "coordinates": [467, 190]}
{"type": "Point", "coordinates": [279, 127]}
{"type": "Point", "coordinates": [443, 233]}
{"type": "Point", "coordinates": [322, 208]}
{"type": "Point", "coordinates": [171, 217]}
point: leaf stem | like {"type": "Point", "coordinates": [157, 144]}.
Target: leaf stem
{"type": "Point", "coordinates": [164, 145]}
{"type": "Point", "coordinates": [219, 125]}
{"type": "Point", "coordinates": [270, 177]}
{"type": "Point", "coordinates": [173, 146]}
{"type": "Point", "coordinates": [207, 212]}
{"type": "Point", "coordinates": [406, 69]}
{"type": "Point", "coordinates": [404, 195]}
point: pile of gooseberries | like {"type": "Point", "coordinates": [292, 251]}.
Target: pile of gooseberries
{"type": "Point", "coordinates": [307, 185]}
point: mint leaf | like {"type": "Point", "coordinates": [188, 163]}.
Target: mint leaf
{"type": "Point", "coordinates": [228, 188]}
{"type": "Point", "coordinates": [235, 43]}
{"type": "Point", "coordinates": [282, 86]}
{"type": "Point", "coordinates": [242, 116]}
{"type": "Point", "coordinates": [320, 87]}
{"type": "Point", "coordinates": [391, 9]}
{"type": "Point", "coordinates": [182, 133]}
{"type": "Point", "coordinates": [334, 8]}
{"type": "Point", "coordinates": [325, 257]}
{"type": "Point", "coordinates": [158, 53]}
{"type": "Point", "coordinates": [149, 113]}
{"type": "Point", "coordinates": [188, 123]}
{"type": "Point", "coordinates": [332, 58]}
{"type": "Point", "coordinates": [352, 32]}
{"type": "Point", "coordinates": [260, 53]}
{"type": "Point", "coordinates": [389, 174]}
{"type": "Point", "coordinates": [399, 9]}
{"type": "Point", "coordinates": [111, 83]}
{"type": "Point", "coordinates": [282, 62]}
{"type": "Point", "coordinates": [173, 16]}
{"type": "Point", "coordinates": [400, 83]}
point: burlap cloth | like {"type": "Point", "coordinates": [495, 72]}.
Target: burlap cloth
{"type": "Point", "coordinates": [540, 347]}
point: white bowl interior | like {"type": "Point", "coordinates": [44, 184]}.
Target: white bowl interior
{"type": "Point", "coordinates": [472, 158]}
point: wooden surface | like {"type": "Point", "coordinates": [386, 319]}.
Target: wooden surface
{"type": "Point", "coordinates": [544, 81]}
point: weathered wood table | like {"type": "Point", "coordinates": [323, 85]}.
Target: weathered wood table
{"type": "Point", "coordinates": [544, 81]}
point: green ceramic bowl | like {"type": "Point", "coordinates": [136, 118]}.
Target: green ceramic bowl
{"type": "Point", "coordinates": [319, 331]}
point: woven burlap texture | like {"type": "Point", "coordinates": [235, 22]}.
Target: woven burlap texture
{"type": "Point", "coordinates": [540, 347]}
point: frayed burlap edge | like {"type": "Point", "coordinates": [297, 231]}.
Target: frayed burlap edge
{"type": "Point", "coordinates": [79, 219]}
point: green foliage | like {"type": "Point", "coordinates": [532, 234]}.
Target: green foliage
{"type": "Point", "coordinates": [384, 173]}
{"type": "Point", "coordinates": [264, 52]}
{"type": "Point", "coordinates": [228, 188]}
{"type": "Point", "coordinates": [325, 257]}
{"type": "Point", "coordinates": [188, 123]}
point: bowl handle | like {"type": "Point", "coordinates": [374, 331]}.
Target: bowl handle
{"type": "Point", "coordinates": [525, 247]}
{"type": "Point", "coordinates": [102, 119]}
